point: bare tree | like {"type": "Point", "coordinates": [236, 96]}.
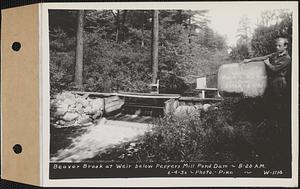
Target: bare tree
{"type": "Point", "coordinates": [244, 30]}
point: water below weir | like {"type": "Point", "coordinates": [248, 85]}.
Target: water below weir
{"type": "Point", "coordinates": [96, 139]}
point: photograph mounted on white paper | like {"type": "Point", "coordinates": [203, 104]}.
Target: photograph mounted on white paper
{"type": "Point", "coordinates": [201, 91]}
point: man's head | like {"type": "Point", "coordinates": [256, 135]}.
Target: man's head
{"type": "Point", "coordinates": [281, 44]}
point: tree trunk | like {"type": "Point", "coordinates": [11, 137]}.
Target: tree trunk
{"type": "Point", "coordinates": [117, 26]}
{"type": "Point", "coordinates": [79, 51]}
{"type": "Point", "coordinates": [190, 27]}
{"type": "Point", "coordinates": [154, 46]}
{"type": "Point", "coordinates": [124, 25]}
{"type": "Point", "coordinates": [143, 20]}
{"type": "Point", "coordinates": [180, 16]}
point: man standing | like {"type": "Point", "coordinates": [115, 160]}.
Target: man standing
{"type": "Point", "coordinates": [278, 94]}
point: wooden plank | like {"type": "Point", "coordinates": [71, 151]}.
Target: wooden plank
{"type": "Point", "coordinates": [161, 94]}
{"type": "Point", "coordinates": [197, 99]}
{"type": "Point", "coordinates": [93, 93]}
{"type": "Point", "coordinates": [128, 94]}
{"type": "Point", "coordinates": [143, 106]}
{"type": "Point", "coordinates": [206, 89]}
{"type": "Point", "coordinates": [149, 95]}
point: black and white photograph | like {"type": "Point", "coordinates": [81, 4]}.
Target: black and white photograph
{"type": "Point", "coordinates": [171, 92]}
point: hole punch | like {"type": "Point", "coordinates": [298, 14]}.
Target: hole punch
{"type": "Point", "coordinates": [16, 46]}
{"type": "Point", "coordinates": [17, 148]}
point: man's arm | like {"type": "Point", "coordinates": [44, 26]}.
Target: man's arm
{"type": "Point", "coordinates": [260, 58]}
{"type": "Point", "coordinates": [282, 64]}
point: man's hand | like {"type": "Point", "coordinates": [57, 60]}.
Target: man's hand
{"type": "Point", "coordinates": [267, 62]}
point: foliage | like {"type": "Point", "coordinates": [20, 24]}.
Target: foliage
{"type": "Point", "coordinates": [117, 49]}
{"type": "Point", "coordinates": [264, 36]}
{"type": "Point", "coordinates": [119, 69]}
{"type": "Point", "coordinates": [61, 60]}
{"type": "Point", "coordinates": [172, 84]}
{"type": "Point", "coordinates": [233, 130]}
{"type": "Point", "coordinates": [188, 139]}
{"type": "Point", "coordinates": [240, 52]}
{"type": "Point", "coordinates": [273, 24]}
{"type": "Point", "coordinates": [61, 71]}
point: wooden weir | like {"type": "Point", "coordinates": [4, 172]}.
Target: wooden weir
{"type": "Point", "coordinates": [151, 103]}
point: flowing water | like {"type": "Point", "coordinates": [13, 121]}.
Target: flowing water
{"type": "Point", "coordinates": [98, 138]}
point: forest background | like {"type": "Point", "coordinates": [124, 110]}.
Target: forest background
{"type": "Point", "coordinates": [117, 47]}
